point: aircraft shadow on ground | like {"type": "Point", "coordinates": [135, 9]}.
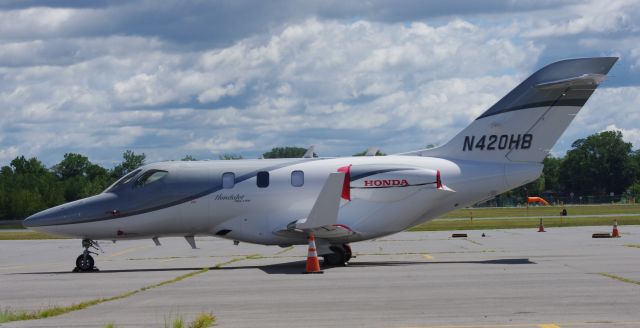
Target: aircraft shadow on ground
{"type": "Point", "coordinates": [296, 267]}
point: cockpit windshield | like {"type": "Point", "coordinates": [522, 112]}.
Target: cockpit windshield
{"type": "Point", "coordinates": [149, 177]}
{"type": "Point", "coordinates": [128, 177]}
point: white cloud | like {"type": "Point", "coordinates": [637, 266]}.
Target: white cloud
{"type": "Point", "coordinates": [97, 81]}
{"type": "Point", "coordinates": [608, 108]}
{"type": "Point", "coordinates": [219, 145]}
{"type": "Point", "coordinates": [631, 135]}
{"type": "Point", "coordinates": [591, 17]}
{"type": "Point", "coordinates": [8, 154]}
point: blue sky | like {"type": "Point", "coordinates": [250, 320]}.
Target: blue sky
{"type": "Point", "coordinates": [206, 78]}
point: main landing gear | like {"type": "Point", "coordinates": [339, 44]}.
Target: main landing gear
{"type": "Point", "coordinates": [84, 262]}
{"type": "Point", "coordinates": [339, 256]}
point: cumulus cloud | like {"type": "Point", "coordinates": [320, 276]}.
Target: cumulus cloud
{"type": "Point", "coordinates": [631, 135]}
{"type": "Point", "coordinates": [99, 79]}
{"type": "Point", "coordinates": [592, 17]}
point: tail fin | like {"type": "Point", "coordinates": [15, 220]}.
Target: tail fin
{"type": "Point", "coordinates": [525, 124]}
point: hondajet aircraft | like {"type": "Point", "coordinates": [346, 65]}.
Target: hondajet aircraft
{"type": "Point", "coordinates": [338, 200]}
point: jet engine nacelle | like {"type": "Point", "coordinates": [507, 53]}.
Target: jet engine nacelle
{"type": "Point", "coordinates": [384, 183]}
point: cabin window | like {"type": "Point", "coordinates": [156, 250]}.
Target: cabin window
{"type": "Point", "coordinates": [263, 179]}
{"type": "Point", "coordinates": [297, 178]}
{"type": "Point", "coordinates": [228, 180]}
{"type": "Point", "coordinates": [150, 177]}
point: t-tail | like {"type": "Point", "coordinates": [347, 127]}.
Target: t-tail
{"type": "Point", "coordinates": [525, 124]}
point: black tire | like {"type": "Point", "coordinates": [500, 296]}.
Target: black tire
{"type": "Point", "coordinates": [337, 258]}
{"type": "Point", "coordinates": [84, 263]}
{"type": "Point", "coordinates": [347, 252]}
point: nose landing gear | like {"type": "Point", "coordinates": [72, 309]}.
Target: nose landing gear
{"type": "Point", "coordinates": [85, 262]}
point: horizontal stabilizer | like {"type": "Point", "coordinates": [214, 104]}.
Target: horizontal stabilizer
{"type": "Point", "coordinates": [591, 80]}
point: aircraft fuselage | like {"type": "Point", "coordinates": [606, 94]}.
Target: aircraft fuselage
{"type": "Point", "coordinates": [388, 196]}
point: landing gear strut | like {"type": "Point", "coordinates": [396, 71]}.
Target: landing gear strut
{"type": "Point", "coordinates": [84, 262]}
{"type": "Point", "coordinates": [341, 254]}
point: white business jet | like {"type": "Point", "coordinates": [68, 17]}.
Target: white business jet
{"type": "Point", "coordinates": [338, 200]}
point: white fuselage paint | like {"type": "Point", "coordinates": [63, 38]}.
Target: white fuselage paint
{"type": "Point", "coordinates": [253, 214]}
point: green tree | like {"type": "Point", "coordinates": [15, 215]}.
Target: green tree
{"type": "Point", "coordinates": [188, 158]}
{"type": "Point", "coordinates": [634, 191]}
{"type": "Point", "coordinates": [285, 152]}
{"type": "Point", "coordinates": [363, 153]}
{"type": "Point", "coordinates": [229, 157]}
{"type": "Point", "coordinates": [599, 164]}
{"type": "Point", "coordinates": [130, 162]}
{"type": "Point", "coordinates": [551, 173]}
{"type": "Point", "coordinates": [79, 177]}
{"type": "Point", "coordinates": [26, 187]}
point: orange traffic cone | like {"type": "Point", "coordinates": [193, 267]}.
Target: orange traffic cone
{"type": "Point", "coordinates": [615, 233]}
{"type": "Point", "coordinates": [313, 264]}
{"type": "Point", "coordinates": [541, 228]}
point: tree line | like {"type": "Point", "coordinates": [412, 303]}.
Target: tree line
{"type": "Point", "coordinates": [599, 164]}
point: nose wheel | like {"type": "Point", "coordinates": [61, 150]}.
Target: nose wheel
{"type": "Point", "coordinates": [85, 262]}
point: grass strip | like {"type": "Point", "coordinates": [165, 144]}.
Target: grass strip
{"type": "Point", "coordinates": [491, 212]}
{"type": "Point", "coordinates": [26, 235]}
{"type": "Point", "coordinates": [284, 250]}
{"type": "Point", "coordinates": [633, 245]}
{"type": "Point", "coordinates": [445, 225]}
{"type": "Point", "coordinates": [613, 276]}
{"type": "Point", "coordinates": [233, 260]}
{"type": "Point", "coordinates": [203, 320]}
{"type": "Point", "coordinates": [6, 315]}
{"type": "Point", "coordinates": [15, 224]}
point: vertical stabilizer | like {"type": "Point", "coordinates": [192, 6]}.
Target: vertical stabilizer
{"type": "Point", "coordinates": [525, 124]}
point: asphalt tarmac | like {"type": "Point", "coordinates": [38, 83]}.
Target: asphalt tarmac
{"type": "Point", "coordinates": [510, 278]}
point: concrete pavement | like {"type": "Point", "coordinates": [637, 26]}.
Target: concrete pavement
{"type": "Point", "coordinates": [511, 278]}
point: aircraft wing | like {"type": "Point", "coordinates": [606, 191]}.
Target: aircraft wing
{"type": "Point", "coordinates": [323, 218]}
{"type": "Point", "coordinates": [325, 209]}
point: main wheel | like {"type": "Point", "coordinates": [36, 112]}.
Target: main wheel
{"type": "Point", "coordinates": [336, 258]}
{"type": "Point", "coordinates": [347, 252]}
{"type": "Point", "coordinates": [84, 263]}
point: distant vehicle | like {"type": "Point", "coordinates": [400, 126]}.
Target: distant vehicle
{"type": "Point", "coordinates": [339, 200]}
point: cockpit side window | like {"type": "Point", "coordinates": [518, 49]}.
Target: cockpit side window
{"type": "Point", "coordinates": [124, 180]}
{"type": "Point", "coordinates": [149, 177]}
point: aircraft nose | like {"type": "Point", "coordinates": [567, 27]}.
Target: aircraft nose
{"type": "Point", "coordinates": [45, 218]}
{"type": "Point", "coordinates": [67, 213]}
